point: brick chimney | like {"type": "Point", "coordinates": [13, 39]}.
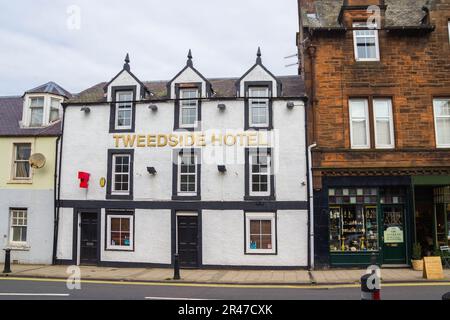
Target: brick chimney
{"type": "Point", "coordinates": [359, 10]}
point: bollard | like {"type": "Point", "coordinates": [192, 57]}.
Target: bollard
{"type": "Point", "coordinates": [367, 292]}
{"type": "Point", "coordinates": [7, 268]}
{"type": "Point", "coordinates": [446, 297]}
{"type": "Point", "coordinates": [176, 268]}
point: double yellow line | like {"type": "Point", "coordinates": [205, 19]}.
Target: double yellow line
{"type": "Point", "coordinates": [242, 286]}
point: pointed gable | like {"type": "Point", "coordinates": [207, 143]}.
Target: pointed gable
{"type": "Point", "coordinates": [259, 73]}
{"type": "Point", "coordinates": [189, 76]}
{"type": "Point", "coordinates": [125, 78]}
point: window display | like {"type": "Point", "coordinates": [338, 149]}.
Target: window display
{"type": "Point", "coordinates": [354, 224]}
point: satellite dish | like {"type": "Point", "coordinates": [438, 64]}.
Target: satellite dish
{"type": "Point", "coordinates": [37, 161]}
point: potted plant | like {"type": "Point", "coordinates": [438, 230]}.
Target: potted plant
{"type": "Point", "coordinates": [417, 260]}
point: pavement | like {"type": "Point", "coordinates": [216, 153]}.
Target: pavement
{"type": "Point", "coordinates": [244, 277]}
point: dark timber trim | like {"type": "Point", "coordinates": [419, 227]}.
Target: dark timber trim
{"type": "Point", "coordinates": [112, 117]}
{"type": "Point", "coordinates": [268, 151]}
{"type": "Point", "coordinates": [109, 194]}
{"type": "Point", "coordinates": [175, 157]}
{"type": "Point", "coordinates": [259, 84]}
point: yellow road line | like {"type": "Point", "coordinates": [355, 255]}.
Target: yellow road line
{"type": "Point", "coordinates": [242, 286]}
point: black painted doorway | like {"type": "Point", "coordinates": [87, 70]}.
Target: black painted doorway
{"type": "Point", "coordinates": [188, 241]}
{"type": "Point", "coordinates": [88, 238]}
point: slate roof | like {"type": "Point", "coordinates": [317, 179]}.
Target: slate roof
{"type": "Point", "coordinates": [292, 86]}
{"type": "Point", "coordinates": [399, 13]}
{"type": "Point", "coordinates": [51, 87]}
{"type": "Point", "coordinates": [11, 114]}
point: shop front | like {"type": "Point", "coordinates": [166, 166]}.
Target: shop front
{"type": "Point", "coordinates": [366, 220]}
{"type": "Point", "coordinates": [432, 212]}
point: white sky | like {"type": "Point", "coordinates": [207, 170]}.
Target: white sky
{"type": "Point", "coordinates": [36, 46]}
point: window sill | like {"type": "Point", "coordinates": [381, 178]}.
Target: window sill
{"type": "Point", "coordinates": [119, 197]}
{"type": "Point", "coordinates": [19, 247]}
{"type": "Point", "coordinates": [259, 198]}
{"type": "Point", "coordinates": [186, 198]}
{"type": "Point", "coordinates": [20, 182]}
{"type": "Point", "coordinates": [119, 249]}
{"type": "Point", "coordinates": [261, 253]}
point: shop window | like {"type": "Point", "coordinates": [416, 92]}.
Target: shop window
{"type": "Point", "coordinates": [260, 233]}
{"type": "Point", "coordinates": [188, 108]}
{"type": "Point", "coordinates": [21, 168]}
{"type": "Point", "coordinates": [18, 226]}
{"type": "Point", "coordinates": [442, 122]}
{"type": "Point", "coordinates": [366, 42]}
{"type": "Point", "coordinates": [353, 220]}
{"type": "Point", "coordinates": [37, 112]}
{"type": "Point", "coordinates": [259, 107]}
{"type": "Point", "coordinates": [120, 232]}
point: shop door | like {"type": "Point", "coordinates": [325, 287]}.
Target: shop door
{"type": "Point", "coordinates": [88, 238]}
{"type": "Point", "coordinates": [188, 241]}
{"type": "Point", "coordinates": [394, 234]}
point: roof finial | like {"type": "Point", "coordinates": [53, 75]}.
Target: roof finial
{"type": "Point", "coordinates": [258, 56]}
{"type": "Point", "coordinates": [189, 62]}
{"type": "Point", "coordinates": [126, 66]}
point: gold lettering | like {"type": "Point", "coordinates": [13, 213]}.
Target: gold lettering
{"type": "Point", "coordinates": [129, 141]}
{"type": "Point", "coordinates": [262, 141]}
{"type": "Point", "coordinates": [117, 139]}
{"type": "Point", "coordinates": [173, 140]}
{"type": "Point", "coordinates": [190, 140]}
{"type": "Point", "coordinates": [162, 140]}
{"type": "Point", "coordinates": [151, 141]}
{"type": "Point", "coordinates": [227, 140]}
{"type": "Point", "coordinates": [215, 139]}
{"type": "Point", "coordinates": [201, 140]}
{"type": "Point", "coordinates": [252, 139]}
{"type": "Point", "coordinates": [141, 141]}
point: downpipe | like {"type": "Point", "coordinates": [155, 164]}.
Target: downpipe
{"type": "Point", "coordinates": [311, 206]}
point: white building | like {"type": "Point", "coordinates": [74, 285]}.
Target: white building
{"type": "Point", "coordinates": [212, 169]}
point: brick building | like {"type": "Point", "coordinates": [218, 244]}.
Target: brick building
{"type": "Point", "coordinates": [378, 79]}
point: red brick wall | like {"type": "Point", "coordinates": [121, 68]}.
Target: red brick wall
{"type": "Point", "coordinates": [414, 68]}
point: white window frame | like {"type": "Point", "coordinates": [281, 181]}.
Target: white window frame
{"type": "Point", "coordinates": [37, 107]}
{"type": "Point", "coordinates": [189, 106]}
{"type": "Point", "coordinates": [52, 108]}
{"type": "Point", "coordinates": [14, 163]}
{"type": "Point", "coordinates": [366, 104]}
{"type": "Point", "coordinates": [355, 42]}
{"type": "Point", "coordinates": [253, 99]}
{"type": "Point", "coordinates": [11, 227]}
{"type": "Point", "coordinates": [113, 175]}
{"type": "Point", "coordinates": [109, 246]}
{"type": "Point", "coordinates": [448, 31]}
{"type": "Point", "coordinates": [391, 124]}
{"type": "Point", "coordinates": [438, 144]}
{"type": "Point", "coordinates": [187, 193]}
{"type": "Point", "coordinates": [249, 216]}
{"type": "Point", "coordinates": [269, 174]}
{"type": "Point", "coordinates": [118, 107]}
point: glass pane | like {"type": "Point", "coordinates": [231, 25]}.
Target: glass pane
{"type": "Point", "coordinates": [266, 242]}
{"type": "Point", "coordinates": [266, 226]}
{"type": "Point", "coordinates": [188, 116]}
{"type": "Point", "coordinates": [16, 234]}
{"type": "Point", "coordinates": [115, 224]}
{"type": "Point", "coordinates": [23, 151]}
{"type": "Point", "coordinates": [37, 102]}
{"type": "Point", "coordinates": [443, 131]}
{"type": "Point", "coordinates": [125, 239]}
{"type": "Point", "coordinates": [358, 108]}
{"type": "Point", "coordinates": [125, 225]}
{"type": "Point", "coordinates": [255, 226]}
{"type": "Point", "coordinates": [54, 115]}
{"type": "Point", "coordinates": [22, 170]}
{"type": "Point", "coordinates": [382, 108]}
{"type": "Point", "coordinates": [124, 96]}
{"type": "Point", "coordinates": [115, 239]}
{"type": "Point", "coordinates": [442, 107]}
{"type": "Point", "coordinates": [255, 242]}
{"type": "Point", "coordinates": [383, 132]}
{"type": "Point", "coordinates": [359, 134]}
{"type": "Point", "coordinates": [37, 116]}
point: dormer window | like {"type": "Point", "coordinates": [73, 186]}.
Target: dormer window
{"type": "Point", "coordinates": [124, 110]}
{"type": "Point", "coordinates": [188, 108]}
{"type": "Point", "coordinates": [37, 112]}
{"type": "Point", "coordinates": [366, 42]}
{"type": "Point", "coordinates": [259, 106]}
{"type": "Point", "coordinates": [54, 109]}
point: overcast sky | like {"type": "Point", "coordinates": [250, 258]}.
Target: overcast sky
{"type": "Point", "coordinates": [36, 44]}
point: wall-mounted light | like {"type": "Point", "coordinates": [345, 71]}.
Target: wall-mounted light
{"type": "Point", "coordinates": [222, 168]}
{"type": "Point", "coordinates": [151, 170]}
{"type": "Point", "coordinates": [153, 107]}
{"type": "Point", "coordinates": [222, 107]}
{"type": "Point", "coordinates": [290, 105]}
{"type": "Point", "coordinates": [86, 110]}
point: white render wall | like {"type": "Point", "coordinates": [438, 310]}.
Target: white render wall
{"type": "Point", "coordinates": [40, 207]}
{"type": "Point", "coordinates": [87, 140]}
{"type": "Point", "coordinates": [224, 239]}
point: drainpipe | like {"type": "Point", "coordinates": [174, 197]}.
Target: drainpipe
{"type": "Point", "coordinates": [311, 207]}
{"type": "Point", "coordinates": [55, 212]}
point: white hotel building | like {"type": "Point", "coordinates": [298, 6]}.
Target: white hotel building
{"type": "Point", "coordinates": [212, 169]}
